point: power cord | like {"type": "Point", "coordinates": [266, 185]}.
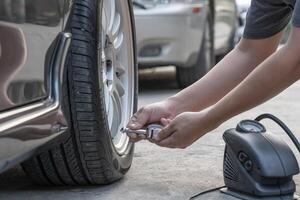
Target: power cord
{"type": "Point", "coordinates": [282, 125]}
{"type": "Point", "coordinates": [207, 191]}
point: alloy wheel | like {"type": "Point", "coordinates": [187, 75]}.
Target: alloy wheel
{"type": "Point", "coordinates": [116, 67]}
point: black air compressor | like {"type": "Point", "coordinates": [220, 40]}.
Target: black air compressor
{"type": "Point", "coordinates": [257, 163]}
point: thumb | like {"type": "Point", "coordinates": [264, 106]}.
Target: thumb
{"type": "Point", "coordinates": [165, 121]}
{"type": "Point", "coordinates": [139, 119]}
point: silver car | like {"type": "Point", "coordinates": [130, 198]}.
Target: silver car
{"type": "Point", "coordinates": [184, 33]}
{"type": "Point", "coordinates": [68, 84]}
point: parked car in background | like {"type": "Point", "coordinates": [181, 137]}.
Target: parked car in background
{"type": "Point", "coordinates": [185, 33]}
{"type": "Point", "coordinates": [243, 7]}
{"type": "Point", "coordinates": [68, 83]}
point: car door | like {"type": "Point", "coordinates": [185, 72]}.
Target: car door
{"type": "Point", "coordinates": [27, 29]}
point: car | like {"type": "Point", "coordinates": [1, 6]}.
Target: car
{"type": "Point", "coordinates": [187, 34]}
{"type": "Point", "coordinates": [68, 85]}
{"type": "Point", "coordinates": [243, 7]}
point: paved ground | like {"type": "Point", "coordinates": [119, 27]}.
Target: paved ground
{"type": "Point", "coordinates": [161, 173]}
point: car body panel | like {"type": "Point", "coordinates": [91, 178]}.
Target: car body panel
{"type": "Point", "coordinates": [25, 128]}
{"type": "Point", "coordinates": [172, 29]}
{"type": "Point", "coordinates": [34, 47]}
{"type": "Point", "coordinates": [226, 24]}
{"type": "Point", "coordinates": [34, 24]}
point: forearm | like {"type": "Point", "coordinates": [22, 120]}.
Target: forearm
{"type": "Point", "coordinates": [274, 75]}
{"type": "Point", "coordinates": [225, 76]}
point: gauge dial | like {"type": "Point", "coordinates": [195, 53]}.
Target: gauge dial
{"type": "Point", "coordinates": [250, 126]}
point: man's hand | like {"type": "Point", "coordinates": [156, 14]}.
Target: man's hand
{"type": "Point", "coordinates": [152, 113]}
{"type": "Point", "coordinates": [184, 129]}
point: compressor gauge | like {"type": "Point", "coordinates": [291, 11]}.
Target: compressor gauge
{"type": "Point", "coordinates": [250, 126]}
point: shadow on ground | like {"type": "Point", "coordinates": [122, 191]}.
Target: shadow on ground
{"type": "Point", "coordinates": [16, 185]}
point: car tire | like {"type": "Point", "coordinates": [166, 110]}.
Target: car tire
{"type": "Point", "coordinates": [205, 60]}
{"type": "Point", "coordinates": [101, 58]}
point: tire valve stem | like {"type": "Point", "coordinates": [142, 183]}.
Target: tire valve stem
{"type": "Point", "coordinates": [148, 133]}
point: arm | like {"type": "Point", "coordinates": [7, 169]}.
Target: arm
{"type": "Point", "coordinates": [226, 75]}
{"type": "Point", "coordinates": [271, 77]}
{"type": "Point", "coordinates": [274, 75]}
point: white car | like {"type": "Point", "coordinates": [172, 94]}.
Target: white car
{"type": "Point", "coordinates": [184, 33]}
{"type": "Point", "coordinates": [243, 7]}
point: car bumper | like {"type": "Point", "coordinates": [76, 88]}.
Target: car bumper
{"type": "Point", "coordinates": [169, 35]}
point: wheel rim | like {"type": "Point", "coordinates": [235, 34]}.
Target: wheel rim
{"type": "Point", "coordinates": [116, 66]}
{"type": "Point", "coordinates": [208, 46]}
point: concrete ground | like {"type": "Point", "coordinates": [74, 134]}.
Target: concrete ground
{"type": "Point", "coordinates": [158, 173]}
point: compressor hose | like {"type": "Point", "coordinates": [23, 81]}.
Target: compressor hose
{"type": "Point", "coordinates": [282, 125]}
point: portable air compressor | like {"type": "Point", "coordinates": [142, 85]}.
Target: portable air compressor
{"type": "Point", "coordinates": [259, 164]}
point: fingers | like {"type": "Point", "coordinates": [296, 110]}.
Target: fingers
{"type": "Point", "coordinates": [168, 142]}
{"type": "Point", "coordinates": [165, 132]}
{"type": "Point", "coordinates": [172, 142]}
{"type": "Point", "coordinates": [139, 119]}
{"type": "Point", "coordinates": [165, 122]}
{"type": "Point", "coordinates": [135, 140]}
{"type": "Point", "coordinates": [135, 137]}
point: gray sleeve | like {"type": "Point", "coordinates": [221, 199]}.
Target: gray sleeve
{"type": "Point", "coordinates": [296, 15]}
{"type": "Point", "coordinates": [265, 18]}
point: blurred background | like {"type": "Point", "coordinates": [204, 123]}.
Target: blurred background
{"type": "Point", "coordinates": [179, 41]}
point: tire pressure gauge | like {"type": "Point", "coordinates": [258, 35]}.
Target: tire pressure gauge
{"type": "Point", "coordinates": [148, 133]}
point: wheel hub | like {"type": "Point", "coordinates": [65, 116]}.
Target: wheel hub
{"type": "Point", "coordinates": [109, 60]}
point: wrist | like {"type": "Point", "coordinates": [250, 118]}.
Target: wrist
{"type": "Point", "coordinates": [175, 106]}
{"type": "Point", "coordinates": [219, 113]}
{"type": "Point", "coordinates": [213, 117]}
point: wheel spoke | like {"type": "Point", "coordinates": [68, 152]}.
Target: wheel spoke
{"type": "Point", "coordinates": [117, 113]}
{"type": "Point", "coordinates": [119, 87]}
{"type": "Point", "coordinates": [120, 69]}
{"type": "Point", "coordinates": [116, 25]}
{"type": "Point", "coordinates": [118, 102]}
{"type": "Point", "coordinates": [118, 41]}
{"type": "Point", "coordinates": [110, 12]}
{"type": "Point", "coordinates": [108, 106]}
{"type": "Point", "coordinates": [105, 18]}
